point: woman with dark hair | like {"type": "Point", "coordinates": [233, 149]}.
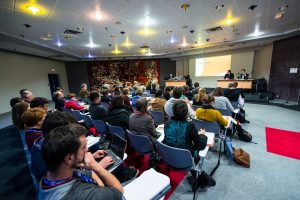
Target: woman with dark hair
{"type": "Point", "coordinates": [167, 93]}
{"type": "Point", "coordinates": [220, 101]}
{"type": "Point", "coordinates": [209, 113]}
{"type": "Point", "coordinates": [118, 115]}
{"type": "Point", "coordinates": [181, 133]}
{"type": "Point", "coordinates": [17, 111]}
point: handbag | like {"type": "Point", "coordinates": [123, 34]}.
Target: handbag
{"type": "Point", "coordinates": [241, 157]}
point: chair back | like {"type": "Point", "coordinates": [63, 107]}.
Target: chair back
{"type": "Point", "coordinates": [140, 143]}
{"type": "Point", "coordinates": [208, 126]}
{"type": "Point", "coordinates": [235, 104]}
{"type": "Point", "coordinates": [77, 115]}
{"type": "Point", "coordinates": [105, 105]}
{"type": "Point", "coordinates": [158, 117]}
{"type": "Point", "coordinates": [100, 126]}
{"type": "Point", "coordinates": [175, 157]}
{"type": "Point", "coordinates": [87, 120]}
{"type": "Point", "coordinates": [196, 107]}
{"type": "Point", "coordinates": [225, 112]}
{"type": "Point", "coordinates": [67, 110]}
{"type": "Point", "coordinates": [116, 130]}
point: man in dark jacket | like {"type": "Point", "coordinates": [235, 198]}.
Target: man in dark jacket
{"type": "Point", "coordinates": [118, 114]}
{"type": "Point", "coordinates": [97, 111]}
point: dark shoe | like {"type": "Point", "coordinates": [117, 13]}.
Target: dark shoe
{"type": "Point", "coordinates": [208, 180]}
{"type": "Point", "coordinates": [247, 121]}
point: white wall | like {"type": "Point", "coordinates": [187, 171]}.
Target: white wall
{"type": "Point", "coordinates": [22, 71]}
{"type": "Point", "coordinates": [239, 60]}
{"type": "Point", "coordinates": [262, 62]}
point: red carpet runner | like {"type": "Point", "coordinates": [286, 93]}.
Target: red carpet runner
{"type": "Point", "coordinates": [284, 143]}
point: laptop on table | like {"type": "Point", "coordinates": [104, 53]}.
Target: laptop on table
{"type": "Point", "coordinates": [116, 151]}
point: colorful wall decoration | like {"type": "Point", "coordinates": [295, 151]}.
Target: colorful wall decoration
{"type": "Point", "coordinates": [133, 70]}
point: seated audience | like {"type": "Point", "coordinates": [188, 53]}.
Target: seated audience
{"type": "Point", "coordinates": [105, 96]}
{"type": "Point", "coordinates": [221, 102]}
{"type": "Point", "coordinates": [167, 93]}
{"type": "Point", "coordinates": [52, 121]}
{"type": "Point", "coordinates": [73, 103]}
{"type": "Point", "coordinates": [187, 93]}
{"type": "Point", "coordinates": [125, 94]}
{"type": "Point", "coordinates": [84, 93]}
{"type": "Point", "coordinates": [59, 100]}
{"type": "Point", "coordinates": [209, 113]}
{"type": "Point", "coordinates": [26, 95]}
{"type": "Point", "coordinates": [183, 134]}
{"type": "Point", "coordinates": [63, 149]}
{"type": "Point", "coordinates": [13, 101]}
{"type": "Point", "coordinates": [233, 93]}
{"type": "Point", "coordinates": [58, 89]}
{"type": "Point", "coordinates": [16, 114]}
{"type": "Point", "coordinates": [198, 98]}
{"type": "Point", "coordinates": [33, 121]}
{"type": "Point", "coordinates": [139, 94]}
{"type": "Point", "coordinates": [196, 88]}
{"type": "Point", "coordinates": [153, 88]}
{"type": "Point", "coordinates": [40, 102]}
{"type": "Point", "coordinates": [177, 93]}
{"type": "Point", "coordinates": [118, 114]}
{"type": "Point", "coordinates": [97, 111]}
{"type": "Point", "coordinates": [158, 102]}
{"type": "Point", "coordinates": [141, 122]}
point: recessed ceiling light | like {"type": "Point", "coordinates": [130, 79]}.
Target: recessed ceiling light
{"type": "Point", "coordinates": [98, 16]}
{"type": "Point", "coordinates": [33, 9]}
{"type": "Point", "coordinates": [229, 21]}
{"type": "Point", "coordinates": [172, 40]}
{"type": "Point", "coordinates": [58, 43]}
{"type": "Point", "coordinates": [147, 21]}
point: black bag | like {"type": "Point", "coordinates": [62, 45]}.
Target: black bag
{"type": "Point", "coordinates": [243, 135]}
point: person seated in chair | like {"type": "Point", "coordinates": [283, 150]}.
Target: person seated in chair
{"type": "Point", "coordinates": [73, 103]}
{"type": "Point", "coordinates": [59, 100]}
{"type": "Point", "coordinates": [210, 114]}
{"type": "Point", "coordinates": [33, 120]}
{"type": "Point", "coordinates": [221, 102]}
{"type": "Point", "coordinates": [64, 149]}
{"type": "Point", "coordinates": [97, 111]}
{"type": "Point", "coordinates": [198, 98]}
{"type": "Point", "coordinates": [141, 122]}
{"type": "Point", "coordinates": [229, 75]}
{"type": "Point", "coordinates": [118, 113]}
{"type": "Point", "coordinates": [243, 75]}
{"type": "Point", "coordinates": [158, 102]}
{"type": "Point", "coordinates": [40, 102]}
{"type": "Point", "coordinates": [180, 133]}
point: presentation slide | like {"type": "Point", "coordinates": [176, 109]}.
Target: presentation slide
{"type": "Point", "coordinates": [212, 66]}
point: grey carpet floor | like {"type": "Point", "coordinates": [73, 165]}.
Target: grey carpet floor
{"type": "Point", "coordinates": [270, 176]}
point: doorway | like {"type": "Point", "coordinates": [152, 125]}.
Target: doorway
{"type": "Point", "coordinates": [53, 82]}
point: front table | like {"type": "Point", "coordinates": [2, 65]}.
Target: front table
{"type": "Point", "coordinates": [175, 83]}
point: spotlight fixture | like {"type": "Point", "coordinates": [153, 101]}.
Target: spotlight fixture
{"type": "Point", "coordinates": [219, 7]}
{"type": "Point", "coordinates": [33, 9]}
{"type": "Point", "coordinates": [122, 32]}
{"type": "Point", "coordinates": [192, 31]}
{"type": "Point", "coordinates": [185, 6]}
{"type": "Point", "coordinates": [112, 36]}
{"type": "Point", "coordinates": [207, 40]}
{"type": "Point", "coordinates": [281, 11]}
{"type": "Point", "coordinates": [252, 7]}
{"type": "Point", "coordinates": [109, 45]}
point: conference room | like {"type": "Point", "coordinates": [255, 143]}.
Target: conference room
{"type": "Point", "coordinates": [150, 99]}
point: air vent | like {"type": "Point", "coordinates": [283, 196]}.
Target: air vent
{"type": "Point", "coordinates": [73, 32]}
{"type": "Point", "coordinates": [144, 47]}
{"type": "Point", "coordinates": [213, 30]}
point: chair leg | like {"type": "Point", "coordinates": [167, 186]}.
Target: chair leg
{"type": "Point", "coordinates": [219, 157]}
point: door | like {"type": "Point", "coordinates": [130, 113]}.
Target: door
{"type": "Point", "coordinates": [53, 82]}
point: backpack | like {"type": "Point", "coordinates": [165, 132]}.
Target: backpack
{"type": "Point", "coordinates": [245, 136]}
{"type": "Point", "coordinates": [241, 157]}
